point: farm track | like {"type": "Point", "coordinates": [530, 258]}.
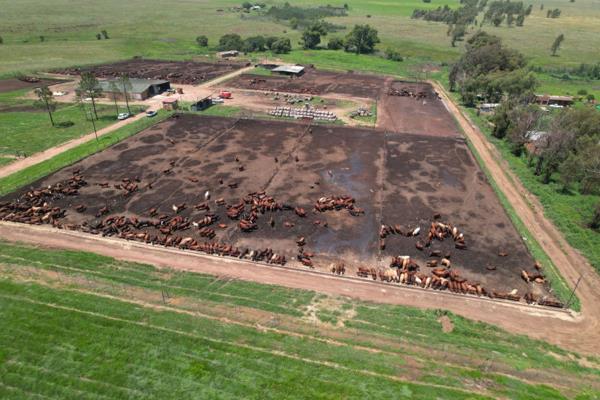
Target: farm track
{"type": "Point", "coordinates": [47, 154]}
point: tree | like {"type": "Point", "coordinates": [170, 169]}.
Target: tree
{"type": "Point", "coordinates": [458, 33]}
{"type": "Point", "coordinates": [1, 40]}
{"type": "Point", "coordinates": [520, 20]}
{"type": "Point", "coordinates": [46, 100]}
{"type": "Point", "coordinates": [114, 93]}
{"type": "Point", "coordinates": [98, 36]}
{"type": "Point", "coordinates": [281, 46]}
{"type": "Point", "coordinates": [590, 98]}
{"type": "Point", "coordinates": [269, 40]}
{"type": "Point", "coordinates": [254, 43]}
{"type": "Point", "coordinates": [202, 40]}
{"type": "Point", "coordinates": [557, 42]}
{"type": "Point", "coordinates": [231, 41]}
{"type": "Point", "coordinates": [42, 38]}
{"type": "Point", "coordinates": [595, 222]}
{"type": "Point", "coordinates": [104, 33]}
{"type": "Point", "coordinates": [311, 37]}
{"type": "Point", "coordinates": [90, 87]}
{"type": "Point", "coordinates": [246, 5]}
{"type": "Point", "coordinates": [335, 43]}
{"type": "Point", "coordinates": [362, 39]}
{"type": "Point", "coordinates": [126, 85]}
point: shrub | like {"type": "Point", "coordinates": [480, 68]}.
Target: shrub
{"type": "Point", "coordinates": [393, 54]}
{"type": "Point", "coordinates": [282, 45]}
{"type": "Point", "coordinates": [202, 41]}
{"type": "Point", "coordinates": [335, 43]}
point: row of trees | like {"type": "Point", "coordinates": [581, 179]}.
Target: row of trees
{"type": "Point", "coordinates": [360, 40]}
{"type": "Point", "coordinates": [233, 41]}
{"type": "Point", "coordinates": [563, 146]}
{"type": "Point", "coordinates": [567, 143]}
{"type": "Point", "coordinates": [89, 88]}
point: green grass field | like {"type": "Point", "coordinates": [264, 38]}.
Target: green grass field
{"type": "Point", "coordinates": [78, 326]}
{"type": "Point", "coordinates": [70, 33]}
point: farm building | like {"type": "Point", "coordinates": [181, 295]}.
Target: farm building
{"type": "Point", "coordinates": [548, 100]}
{"type": "Point", "coordinates": [140, 89]}
{"type": "Point", "coordinates": [202, 104]}
{"type": "Point", "coordinates": [291, 70]}
{"type": "Point", "coordinates": [228, 54]}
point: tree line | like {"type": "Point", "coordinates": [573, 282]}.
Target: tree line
{"type": "Point", "coordinates": [561, 146]}
{"type": "Point", "coordinates": [362, 39]}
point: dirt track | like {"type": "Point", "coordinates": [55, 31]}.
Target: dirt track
{"type": "Point", "coordinates": [560, 327]}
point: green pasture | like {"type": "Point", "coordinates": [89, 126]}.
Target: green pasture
{"type": "Point", "coordinates": [82, 326]}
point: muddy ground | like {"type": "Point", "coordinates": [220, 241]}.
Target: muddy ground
{"type": "Point", "coordinates": [395, 178]}
{"type": "Point", "coordinates": [315, 82]}
{"type": "Point", "coordinates": [409, 114]}
{"type": "Point", "coordinates": [178, 72]}
{"type": "Point", "coordinates": [12, 84]}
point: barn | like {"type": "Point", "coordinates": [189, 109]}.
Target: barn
{"type": "Point", "coordinates": [290, 70]}
{"type": "Point", "coordinates": [140, 89]}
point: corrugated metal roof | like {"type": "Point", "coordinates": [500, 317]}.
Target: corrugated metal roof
{"type": "Point", "coordinates": [137, 85]}
{"type": "Point", "coordinates": [291, 69]}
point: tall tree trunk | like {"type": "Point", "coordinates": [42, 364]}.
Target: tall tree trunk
{"type": "Point", "coordinates": [126, 98]}
{"type": "Point", "coordinates": [49, 112]}
{"type": "Point", "coordinates": [94, 107]}
{"type": "Point", "coordinates": [116, 105]}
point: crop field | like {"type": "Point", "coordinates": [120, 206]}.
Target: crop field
{"type": "Point", "coordinates": [196, 174]}
{"type": "Point", "coordinates": [79, 326]}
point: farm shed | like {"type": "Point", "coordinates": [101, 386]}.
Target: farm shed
{"type": "Point", "coordinates": [170, 103]}
{"type": "Point", "coordinates": [202, 104]}
{"type": "Point", "coordinates": [228, 54]}
{"type": "Point", "coordinates": [548, 100]}
{"type": "Point", "coordinates": [291, 70]}
{"type": "Point", "coordinates": [140, 89]}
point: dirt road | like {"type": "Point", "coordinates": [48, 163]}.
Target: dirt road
{"type": "Point", "coordinates": [570, 330]}
{"type": "Point", "coordinates": [571, 264]}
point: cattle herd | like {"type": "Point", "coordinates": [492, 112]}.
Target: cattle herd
{"type": "Point", "coordinates": [176, 230]}
{"type": "Point", "coordinates": [406, 92]}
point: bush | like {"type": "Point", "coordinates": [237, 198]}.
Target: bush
{"type": "Point", "coordinates": [254, 43]}
{"type": "Point", "coordinates": [269, 40]}
{"type": "Point", "coordinates": [393, 54]}
{"type": "Point", "coordinates": [231, 41]}
{"type": "Point", "coordinates": [335, 43]}
{"type": "Point", "coordinates": [282, 45]}
{"type": "Point", "coordinates": [202, 41]}
{"type": "Point", "coordinates": [595, 223]}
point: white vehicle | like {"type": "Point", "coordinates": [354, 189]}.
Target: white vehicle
{"type": "Point", "coordinates": [217, 100]}
{"type": "Point", "coordinates": [123, 116]}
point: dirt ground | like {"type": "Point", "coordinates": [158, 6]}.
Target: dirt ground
{"type": "Point", "coordinates": [412, 115]}
{"type": "Point", "coordinates": [407, 114]}
{"type": "Point", "coordinates": [12, 84]}
{"type": "Point", "coordinates": [395, 178]}
{"type": "Point", "coordinates": [315, 82]}
{"type": "Point", "coordinates": [184, 72]}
